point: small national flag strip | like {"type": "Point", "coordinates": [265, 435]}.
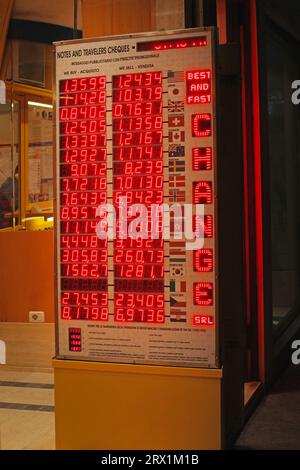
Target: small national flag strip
{"type": "Point", "coordinates": [176, 136]}
{"type": "Point", "coordinates": [176, 150]}
{"type": "Point", "coordinates": [176, 166]}
{"type": "Point", "coordinates": [175, 76]}
{"type": "Point", "coordinates": [176, 120]}
{"type": "Point", "coordinates": [177, 303]}
{"type": "Point", "coordinates": [177, 248]}
{"type": "Point", "coordinates": [177, 271]}
{"type": "Point", "coordinates": [176, 225]}
{"type": "Point", "coordinates": [175, 106]}
{"type": "Point", "coordinates": [177, 286]}
{"type": "Point", "coordinates": [176, 195]}
{"type": "Point", "coordinates": [177, 316]}
{"type": "Point", "coordinates": [176, 181]}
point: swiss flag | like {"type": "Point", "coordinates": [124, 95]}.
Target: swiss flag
{"type": "Point", "coordinates": [176, 121]}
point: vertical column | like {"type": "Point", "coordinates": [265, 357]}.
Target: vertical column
{"type": "Point", "coordinates": [138, 185]}
{"type": "Point", "coordinates": [82, 172]}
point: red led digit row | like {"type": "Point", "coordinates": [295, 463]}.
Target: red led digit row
{"type": "Point", "coordinates": [83, 141]}
{"type": "Point", "coordinates": [83, 169]}
{"type": "Point", "coordinates": [137, 271]}
{"type": "Point", "coordinates": [172, 44]}
{"type": "Point", "coordinates": [74, 227]}
{"type": "Point", "coordinates": [145, 108]}
{"type": "Point", "coordinates": [137, 123]}
{"type": "Point", "coordinates": [84, 313]}
{"type": "Point", "coordinates": [143, 197]}
{"type": "Point", "coordinates": [83, 98]}
{"type": "Point", "coordinates": [82, 241]}
{"type": "Point", "coordinates": [139, 285]}
{"type": "Point", "coordinates": [83, 155]}
{"type": "Point", "coordinates": [137, 138]}
{"type": "Point", "coordinates": [84, 184]}
{"type": "Point", "coordinates": [138, 153]}
{"type": "Point", "coordinates": [139, 300]}
{"type": "Point", "coordinates": [71, 255]}
{"type": "Point", "coordinates": [92, 198]}
{"type": "Point", "coordinates": [82, 84]}
{"type": "Point", "coordinates": [83, 270]}
{"type": "Point", "coordinates": [139, 315]}
{"type": "Point", "coordinates": [74, 113]}
{"type": "Point", "coordinates": [137, 79]}
{"type": "Point", "coordinates": [139, 243]}
{"type": "Point", "coordinates": [138, 256]}
{"type": "Point", "coordinates": [152, 167]}
{"type": "Point", "coordinates": [151, 93]}
{"type": "Point", "coordinates": [83, 285]}
{"type": "Point", "coordinates": [123, 183]}
{"type": "Point", "coordinates": [93, 299]}
{"type": "Point", "coordinates": [82, 127]}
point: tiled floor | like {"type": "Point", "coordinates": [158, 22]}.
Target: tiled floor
{"type": "Point", "coordinates": [26, 410]}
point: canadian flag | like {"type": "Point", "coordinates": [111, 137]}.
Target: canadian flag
{"type": "Point", "coordinates": [176, 136]}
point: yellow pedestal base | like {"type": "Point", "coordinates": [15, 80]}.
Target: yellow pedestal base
{"type": "Point", "coordinates": [116, 406]}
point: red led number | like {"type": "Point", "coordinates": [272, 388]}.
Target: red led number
{"type": "Point", "coordinates": [83, 257]}
{"type": "Point", "coordinates": [138, 175]}
{"type": "Point", "coordinates": [172, 44]}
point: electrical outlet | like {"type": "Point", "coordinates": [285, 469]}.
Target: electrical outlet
{"type": "Point", "coordinates": [36, 317]}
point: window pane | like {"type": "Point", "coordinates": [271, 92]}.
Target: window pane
{"type": "Point", "coordinates": [40, 153]}
{"type": "Point", "coordinates": [9, 164]}
{"type": "Point", "coordinates": [284, 171]}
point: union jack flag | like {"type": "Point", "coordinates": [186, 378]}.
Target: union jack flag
{"type": "Point", "coordinates": [175, 106]}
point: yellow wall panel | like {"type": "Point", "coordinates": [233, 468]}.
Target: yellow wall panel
{"type": "Point", "coordinates": [114, 406]}
{"type": "Point", "coordinates": [26, 275]}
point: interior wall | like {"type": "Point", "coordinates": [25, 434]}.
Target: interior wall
{"type": "Point", "coordinates": [108, 17]}
{"type": "Point", "coordinates": [26, 275]}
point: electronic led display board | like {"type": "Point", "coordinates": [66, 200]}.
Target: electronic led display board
{"type": "Point", "coordinates": [135, 159]}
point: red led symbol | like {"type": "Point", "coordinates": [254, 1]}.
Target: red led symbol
{"type": "Point", "coordinates": [203, 294]}
{"type": "Point", "coordinates": [198, 86]}
{"type": "Point", "coordinates": [198, 223]}
{"type": "Point", "coordinates": [75, 339]}
{"type": "Point", "coordinates": [203, 320]}
{"type": "Point", "coordinates": [202, 192]}
{"type": "Point", "coordinates": [202, 158]}
{"type": "Point", "coordinates": [203, 260]}
{"type": "Point", "coordinates": [201, 125]}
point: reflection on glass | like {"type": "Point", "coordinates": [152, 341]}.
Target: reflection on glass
{"type": "Point", "coordinates": [40, 152]}
{"type": "Point", "coordinates": [9, 166]}
{"type": "Point", "coordinates": [284, 176]}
